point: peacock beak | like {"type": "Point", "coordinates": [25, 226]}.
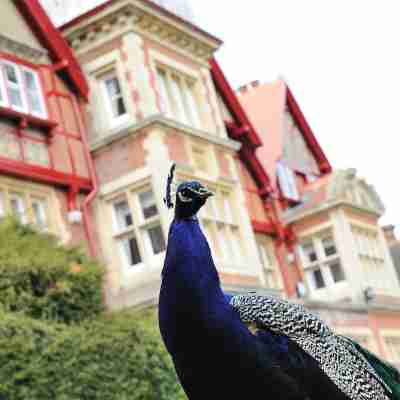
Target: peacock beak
{"type": "Point", "coordinates": [204, 193]}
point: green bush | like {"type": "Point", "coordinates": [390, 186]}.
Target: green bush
{"type": "Point", "coordinates": [38, 277]}
{"type": "Point", "coordinates": [55, 341]}
{"type": "Point", "coordinates": [115, 357]}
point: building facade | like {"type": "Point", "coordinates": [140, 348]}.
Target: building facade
{"type": "Point", "coordinates": [45, 176]}
{"type": "Point", "coordinates": [335, 256]}
{"type": "Point", "coordinates": [282, 221]}
{"type": "Point", "coordinates": [153, 102]}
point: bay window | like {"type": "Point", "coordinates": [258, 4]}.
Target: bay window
{"type": "Point", "coordinates": [269, 263]}
{"type": "Point", "coordinates": [371, 257]}
{"type": "Point", "coordinates": [178, 97]}
{"type": "Point", "coordinates": [20, 89]}
{"type": "Point", "coordinates": [287, 181]}
{"type": "Point", "coordinates": [137, 229]}
{"type": "Point", "coordinates": [321, 261]}
{"type": "Point", "coordinates": [114, 99]}
{"type": "Point", "coordinates": [221, 228]}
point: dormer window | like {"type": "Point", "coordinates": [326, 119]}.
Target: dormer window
{"type": "Point", "coordinates": [20, 89]}
{"type": "Point", "coordinates": [287, 181]}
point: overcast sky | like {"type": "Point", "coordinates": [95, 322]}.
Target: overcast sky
{"type": "Point", "coordinates": [340, 58]}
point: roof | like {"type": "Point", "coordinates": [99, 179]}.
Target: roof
{"type": "Point", "coordinates": [249, 138]}
{"type": "Point", "coordinates": [395, 253]}
{"type": "Point", "coordinates": [52, 40]}
{"type": "Point", "coordinates": [150, 3]}
{"type": "Point", "coordinates": [340, 186]}
{"type": "Point", "coordinates": [265, 104]}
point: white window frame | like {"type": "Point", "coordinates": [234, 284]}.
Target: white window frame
{"type": "Point", "coordinates": [43, 113]}
{"type": "Point", "coordinates": [322, 263]}
{"type": "Point", "coordinates": [19, 86]}
{"type": "Point", "coordinates": [42, 211]}
{"type": "Point", "coordinates": [130, 267]}
{"type": "Point", "coordinates": [269, 265]}
{"type": "Point", "coordinates": [3, 88]}
{"type": "Point", "coordinates": [177, 92]}
{"type": "Point", "coordinates": [287, 181]}
{"type": "Point", "coordinates": [113, 120]}
{"type": "Point", "coordinates": [117, 228]}
{"type": "Point", "coordinates": [22, 209]}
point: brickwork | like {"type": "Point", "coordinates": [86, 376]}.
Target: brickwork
{"type": "Point", "coordinates": [120, 158]}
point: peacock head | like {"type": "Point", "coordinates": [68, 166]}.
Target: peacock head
{"type": "Point", "coordinates": [190, 197]}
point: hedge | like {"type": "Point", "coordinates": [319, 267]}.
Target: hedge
{"type": "Point", "coordinates": [56, 341]}
{"type": "Point", "coordinates": [45, 280]}
{"type": "Point", "coordinates": [114, 357]}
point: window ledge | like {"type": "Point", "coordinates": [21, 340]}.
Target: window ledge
{"type": "Point", "coordinates": [131, 128]}
{"type": "Point", "coordinates": [25, 120]}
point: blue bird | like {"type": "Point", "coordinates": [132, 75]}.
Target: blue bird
{"type": "Point", "coordinates": [214, 353]}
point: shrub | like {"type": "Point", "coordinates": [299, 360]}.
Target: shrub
{"type": "Point", "coordinates": [116, 357]}
{"type": "Point", "coordinates": [40, 278]}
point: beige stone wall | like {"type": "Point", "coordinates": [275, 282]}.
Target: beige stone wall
{"type": "Point", "coordinates": [14, 26]}
{"type": "Point", "coordinates": [340, 225]}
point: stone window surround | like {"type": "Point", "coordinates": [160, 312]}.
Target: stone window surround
{"type": "Point", "coordinates": [130, 194]}
{"type": "Point", "coordinates": [271, 271]}
{"type": "Point", "coordinates": [322, 260]}
{"type": "Point", "coordinates": [29, 193]}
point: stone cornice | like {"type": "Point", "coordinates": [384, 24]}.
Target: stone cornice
{"type": "Point", "coordinates": [293, 215]}
{"type": "Point", "coordinates": [21, 50]}
{"type": "Point", "coordinates": [159, 120]}
{"type": "Point", "coordinates": [134, 15]}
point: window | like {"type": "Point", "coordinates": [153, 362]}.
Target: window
{"type": "Point", "coordinates": [28, 206]}
{"type": "Point", "coordinates": [123, 215]}
{"type": "Point", "coordinates": [287, 181]}
{"type": "Point", "coordinates": [269, 264]}
{"type": "Point", "coordinates": [321, 261]}
{"type": "Point", "coordinates": [14, 86]}
{"type": "Point", "coordinates": [131, 251]}
{"type": "Point", "coordinates": [200, 159]}
{"type": "Point", "coordinates": [2, 205]}
{"type": "Point", "coordinates": [140, 239]}
{"type": "Point", "coordinates": [178, 97]}
{"type": "Point", "coordinates": [156, 238]}
{"type": "Point", "coordinates": [148, 204]}
{"type": "Point", "coordinates": [18, 208]}
{"type": "Point", "coordinates": [371, 257]}
{"type": "Point", "coordinates": [20, 89]}
{"type": "Point", "coordinates": [114, 98]}
{"type": "Point", "coordinates": [33, 92]}
{"type": "Point", "coordinates": [221, 228]}
{"type": "Point", "coordinates": [39, 213]}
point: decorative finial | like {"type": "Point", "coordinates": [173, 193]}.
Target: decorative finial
{"type": "Point", "coordinates": [167, 198]}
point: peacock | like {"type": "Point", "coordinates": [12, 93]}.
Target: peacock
{"type": "Point", "coordinates": [217, 356]}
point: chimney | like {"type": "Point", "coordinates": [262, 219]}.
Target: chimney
{"type": "Point", "coordinates": [390, 234]}
{"type": "Point", "coordinates": [248, 87]}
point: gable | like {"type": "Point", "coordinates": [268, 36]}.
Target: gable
{"type": "Point", "coordinates": [364, 196]}
{"type": "Point", "coordinates": [14, 26]}
{"type": "Point", "coordinates": [295, 152]}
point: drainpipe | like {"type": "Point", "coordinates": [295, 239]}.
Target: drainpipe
{"type": "Point", "coordinates": [87, 221]}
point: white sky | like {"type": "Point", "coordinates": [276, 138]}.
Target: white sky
{"type": "Point", "coordinates": [341, 60]}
